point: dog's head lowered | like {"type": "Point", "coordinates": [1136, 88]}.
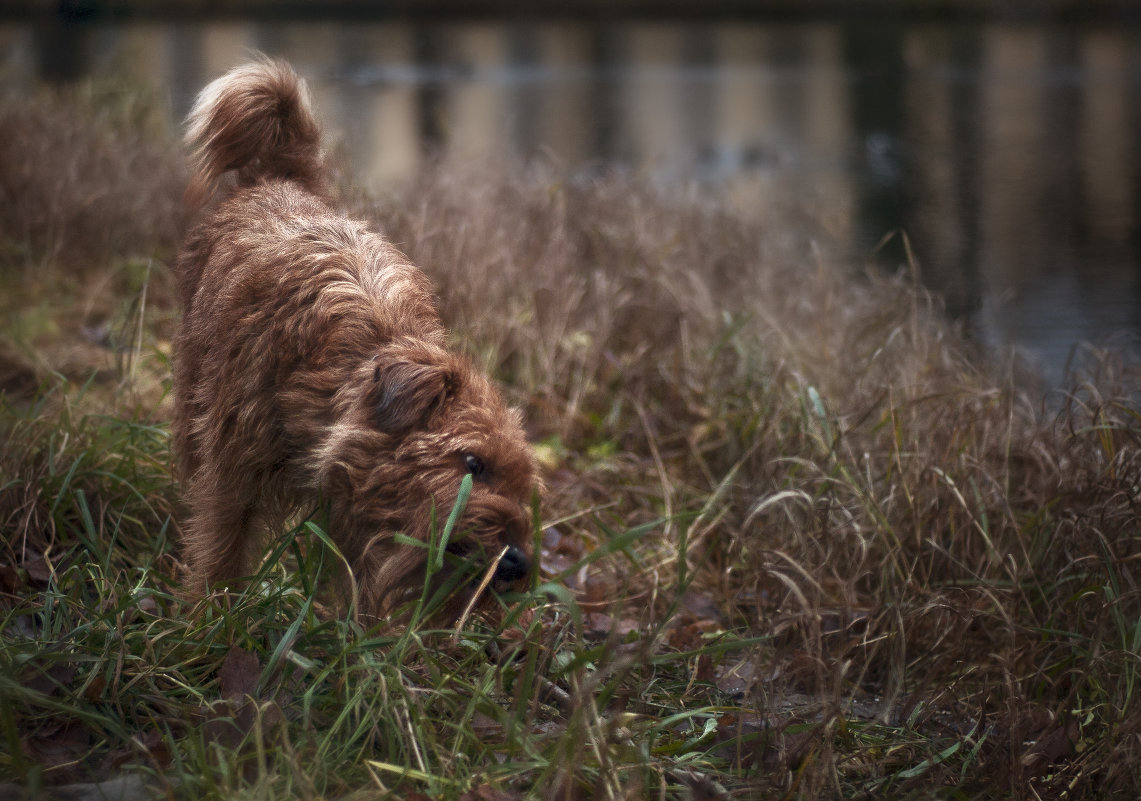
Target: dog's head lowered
{"type": "Point", "coordinates": [421, 420]}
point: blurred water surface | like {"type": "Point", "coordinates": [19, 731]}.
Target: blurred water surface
{"type": "Point", "coordinates": [1008, 154]}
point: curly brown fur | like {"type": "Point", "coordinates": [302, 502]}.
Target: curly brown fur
{"type": "Point", "coordinates": [310, 368]}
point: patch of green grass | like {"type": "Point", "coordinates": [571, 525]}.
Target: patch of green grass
{"type": "Point", "coordinates": [107, 670]}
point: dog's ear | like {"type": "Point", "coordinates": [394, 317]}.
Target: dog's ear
{"type": "Point", "coordinates": [412, 386]}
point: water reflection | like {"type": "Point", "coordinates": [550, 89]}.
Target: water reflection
{"type": "Point", "coordinates": [1006, 153]}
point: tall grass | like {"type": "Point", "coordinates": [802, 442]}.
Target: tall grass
{"type": "Point", "coordinates": [915, 531]}
{"type": "Point", "coordinates": [799, 539]}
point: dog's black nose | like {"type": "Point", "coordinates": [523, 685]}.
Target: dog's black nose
{"type": "Point", "coordinates": [512, 565]}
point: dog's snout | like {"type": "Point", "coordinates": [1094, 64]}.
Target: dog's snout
{"type": "Point", "coordinates": [513, 565]}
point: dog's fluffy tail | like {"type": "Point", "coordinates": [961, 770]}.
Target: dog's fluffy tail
{"type": "Point", "coordinates": [257, 121]}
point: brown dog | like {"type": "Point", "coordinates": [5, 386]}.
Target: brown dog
{"type": "Point", "coordinates": [311, 369]}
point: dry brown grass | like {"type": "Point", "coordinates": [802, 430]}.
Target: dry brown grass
{"type": "Point", "coordinates": [90, 188]}
{"type": "Point", "coordinates": [920, 530]}
{"type": "Point", "coordinates": [78, 190]}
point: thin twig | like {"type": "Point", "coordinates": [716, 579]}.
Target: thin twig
{"type": "Point", "coordinates": [487, 577]}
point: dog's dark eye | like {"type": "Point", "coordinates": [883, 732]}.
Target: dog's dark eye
{"type": "Point", "coordinates": [474, 465]}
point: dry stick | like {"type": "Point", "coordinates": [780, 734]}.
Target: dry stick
{"type": "Point", "coordinates": [478, 592]}
{"type": "Point", "coordinates": [663, 476]}
{"type": "Point", "coordinates": [132, 368]}
{"type": "Point", "coordinates": [555, 694]}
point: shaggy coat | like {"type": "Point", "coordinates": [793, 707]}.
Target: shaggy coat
{"type": "Point", "coordinates": [311, 368]}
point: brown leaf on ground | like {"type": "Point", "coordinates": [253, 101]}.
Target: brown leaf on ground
{"type": "Point", "coordinates": [39, 569]}
{"type": "Point", "coordinates": [93, 692]}
{"type": "Point", "coordinates": [1050, 748]}
{"type": "Point", "coordinates": [49, 681]}
{"type": "Point", "coordinates": [690, 637]}
{"type": "Point", "coordinates": [60, 750]}
{"type": "Point", "coordinates": [10, 579]}
{"type": "Point", "coordinates": [239, 674]}
{"type": "Point", "coordinates": [229, 721]}
{"type": "Point", "coordinates": [1047, 740]}
{"type": "Point", "coordinates": [704, 668]}
{"type": "Point", "coordinates": [598, 591]}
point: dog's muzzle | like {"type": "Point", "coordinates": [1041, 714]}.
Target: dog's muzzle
{"type": "Point", "coordinates": [513, 565]}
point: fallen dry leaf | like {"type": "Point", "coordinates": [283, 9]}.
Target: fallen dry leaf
{"type": "Point", "coordinates": [39, 569]}
{"type": "Point", "coordinates": [48, 681]}
{"type": "Point", "coordinates": [239, 674]}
